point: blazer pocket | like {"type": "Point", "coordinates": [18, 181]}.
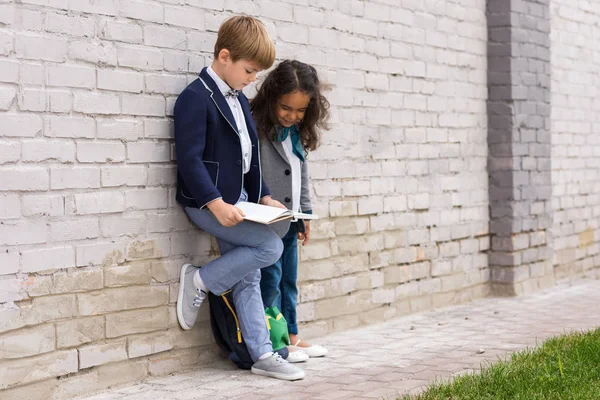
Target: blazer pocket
{"type": "Point", "coordinates": [213, 171]}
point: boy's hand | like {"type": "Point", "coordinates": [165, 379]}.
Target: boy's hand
{"type": "Point", "coordinates": [268, 201]}
{"type": "Point", "coordinates": [226, 214]}
{"type": "Point", "coordinates": [305, 236]}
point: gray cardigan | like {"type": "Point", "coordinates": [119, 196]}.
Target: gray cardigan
{"type": "Point", "coordinates": [277, 173]}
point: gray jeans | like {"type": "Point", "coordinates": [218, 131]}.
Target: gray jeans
{"type": "Point", "coordinates": [245, 249]}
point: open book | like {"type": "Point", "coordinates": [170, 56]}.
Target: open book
{"type": "Point", "coordinates": [268, 215]}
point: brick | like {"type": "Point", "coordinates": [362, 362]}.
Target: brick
{"type": "Point", "coordinates": [201, 41]}
{"type": "Point", "coordinates": [120, 226]}
{"type": "Point", "coordinates": [118, 299]}
{"type": "Point", "coordinates": [77, 281]}
{"type": "Point", "coordinates": [9, 152]}
{"type": "Point", "coordinates": [144, 249]}
{"type": "Point", "coordinates": [30, 20]}
{"type": "Point", "coordinates": [121, 81]}
{"type": "Point", "coordinates": [49, 308]}
{"type": "Point", "coordinates": [176, 61]}
{"type": "Point", "coordinates": [96, 103]}
{"type": "Point", "coordinates": [33, 100]}
{"type": "Point", "coordinates": [79, 331]}
{"type": "Point", "coordinates": [76, 229]}
{"type": "Point", "coordinates": [143, 105]}
{"type": "Point", "coordinates": [105, 7]}
{"type": "Point", "coordinates": [185, 16]}
{"type": "Point", "coordinates": [69, 127]}
{"type": "Point", "coordinates": [291, 33]}
{"type": "Point", "coordinates": [120, 129]}
{"type": "Point", "coordinates": [162, 176]}
{"type": "Point", "coordinates": [27, 342]}
{"type": "Point", "coordinates": [164, 37]}
{"type": "Point", "coordinates": [47, 259]}
{"type": "Point", "coordinates": [167, 222]}
{"type": "Point", "coordinates": [42, 367]}
{"type": "Point", "coordinates": [144, 152]}
{"type": "Point", "coordinates": [159, 129]}
{"type": "Point", "coordinates": [119, 31]}
{"type": "Point", "coordinates": [11, 290]}
{"type": "Point", "coordinates": [99, 202]}
{"type": "Point", "coordinates": [139, 346]}
{"type": "Point", "coordinates": [9, 264]}
{"type": "Point", "coordinates": [71, 76]}
{"type": "Point", "coordinates": [96, 52]}
{"type": "Point", "coordinates": [102, 353]}
{"type": "Point", "coordinates": [9, 71]}
{"type": "Point", "coordinates": [34, 47]}
{"type": "Point", "coordinates": [24, 178]}
{"type": "Point", "coordinates": [41, 150]}
{"type": "Point", "coordinates": [100, 152]}
{"type": "Point", "coordinates": [70, 24]}
{"type": "Point", "coordinates": [169, 84]}
{"type": "Point", "coordinates": [141, 10]}
{"type": "Point", "coordinates": [7, 14]}
{"type": "Point", "coordinates": [75, 178]}
{"type": "Point", "coordinates": [124, 176]}
{"type": "Point", "coordinates": [10, 206]}
{"type": "Point", "coordinates": [32, 74]}
{"type": "Point", "coordinates": [38, 205]}
{"type": "Point", "coordinates": [7, 41]}
{"type": "Point", "coordinates": [59, 101]}
{"type": "Point", "coordinates": [138, 321]}
{"type": "Point", "coordinates": [128, 275]}
{"type": "Point", "coordinates": [22, 125]}
{"type": "Point", "coordinates": [371, 205]}
{"type": "Point", "coordinates": [100, 254]}
{"type": "Point", "coordinates": [7, 97]}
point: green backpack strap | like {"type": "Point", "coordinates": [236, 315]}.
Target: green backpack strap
{"type": "Point", "coordinates": [278, 329]}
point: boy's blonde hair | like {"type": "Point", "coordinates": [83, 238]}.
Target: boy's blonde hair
{"type": "Point", "coordinates": [246, 38]}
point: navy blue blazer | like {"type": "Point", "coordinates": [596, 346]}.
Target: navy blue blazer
{"type": "Point", "coordinates": [208, 148]}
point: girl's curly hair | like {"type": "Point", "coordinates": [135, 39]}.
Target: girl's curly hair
{"type": "Point", "coordinates": [288, 77]}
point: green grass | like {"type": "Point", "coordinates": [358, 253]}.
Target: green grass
{"type": "Point", "coordinates": [562, 368]}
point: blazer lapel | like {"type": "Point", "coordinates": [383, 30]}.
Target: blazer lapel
{"type": "Point", "coordinates": [280, 150]}
{"type": "Point", "coordinates": [219, 100]}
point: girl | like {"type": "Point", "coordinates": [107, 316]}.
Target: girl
{"type": "Point", "coordinates": [289, 111]}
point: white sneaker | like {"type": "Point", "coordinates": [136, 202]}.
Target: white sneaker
{"type": "Point", "coordinates": [297, 356]}
{"type": "Point", "coordinates": [313, 351]}
{"type": "Point", "coordinates": [189, 298]}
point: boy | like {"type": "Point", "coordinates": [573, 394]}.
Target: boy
{"type": "Point", "coordinates": [218, 165]}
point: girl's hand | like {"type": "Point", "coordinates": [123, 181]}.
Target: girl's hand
{"type": "Point", "coordinates": [268, 201]}
{"type": "Point", "coordinates": [305, 236]}
{"type": "Point", "coordinates": [226, 214]}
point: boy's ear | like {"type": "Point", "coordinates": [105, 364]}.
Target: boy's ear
{"type": "Point", "coordinates": [224, 56]}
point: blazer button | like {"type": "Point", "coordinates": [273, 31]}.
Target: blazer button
{"type": "Point", "coordinates": [238, 162]}
{"type": "Point", "coordinates": [287, 199]}
{"type": "Point", "coordinates": [287, 172]}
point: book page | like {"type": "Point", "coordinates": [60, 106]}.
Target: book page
{"type": "Point", "coordinates": [300, 215]}
{"type": "Point", "coordinates": [263, 214]}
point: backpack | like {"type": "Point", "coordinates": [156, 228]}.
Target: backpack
{"type": "Point", "coordinates": [226, 330]}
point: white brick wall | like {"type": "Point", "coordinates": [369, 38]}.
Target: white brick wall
{"type": "Point", "coordinates": [575, 136]}
{"type": "Point", "coordinates": [89, 226]}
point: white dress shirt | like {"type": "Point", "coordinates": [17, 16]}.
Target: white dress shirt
{"type": "Point", "coordinates": [296, 172]}
{"type": "Point", "coordinates": [238, 115]}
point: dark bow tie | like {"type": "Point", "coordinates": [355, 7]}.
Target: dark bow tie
{"type": "Point", "coordinates": [233, 93]}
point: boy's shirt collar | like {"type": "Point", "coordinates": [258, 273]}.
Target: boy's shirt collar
{"type": "Point", "coordinates": [221, 84]}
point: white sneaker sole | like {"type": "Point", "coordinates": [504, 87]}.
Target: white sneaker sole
{"type": "Point", "coordinates": [180, 299]}
{"type": "Point", "coordinates": [285, 377]}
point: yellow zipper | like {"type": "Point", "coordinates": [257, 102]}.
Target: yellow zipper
{"type": "Point", "coordinates": [237, 324]}
{"type": "Point", "coordinates": [268, 323]}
